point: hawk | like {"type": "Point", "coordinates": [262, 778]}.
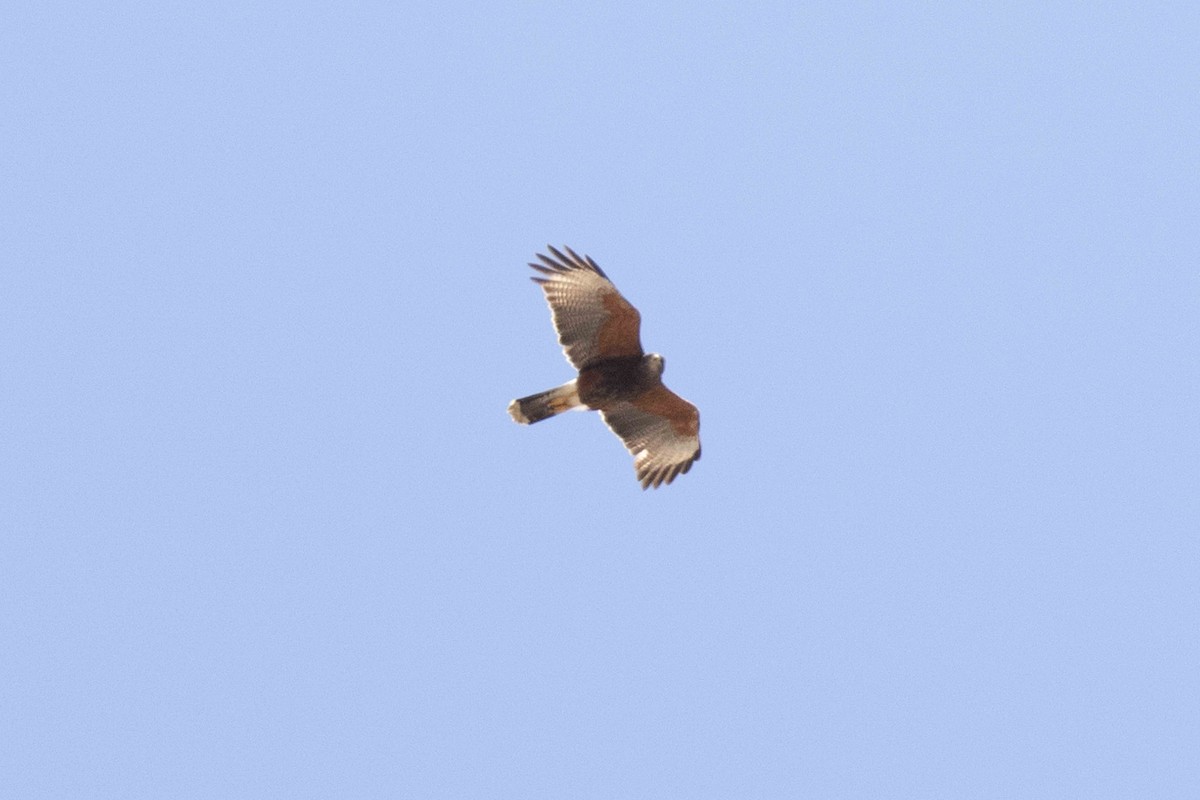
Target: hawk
{"type": "Point", "coordinates": [598, 331]}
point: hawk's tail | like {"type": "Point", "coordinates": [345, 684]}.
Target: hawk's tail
{"type": "Point", "coordinates": [544, 405]}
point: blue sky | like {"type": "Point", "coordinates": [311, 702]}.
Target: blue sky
{"type": "Point", "coordinates": [928, 271]}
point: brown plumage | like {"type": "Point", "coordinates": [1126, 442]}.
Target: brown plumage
{"type": "Point", "coordinates": [599, 333]}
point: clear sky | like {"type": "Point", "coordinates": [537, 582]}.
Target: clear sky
{"type": "Point", "coordinates": [930, 272]}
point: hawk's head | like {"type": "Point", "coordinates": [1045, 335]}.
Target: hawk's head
{"type": "Point", "coordinates": [656, 363]}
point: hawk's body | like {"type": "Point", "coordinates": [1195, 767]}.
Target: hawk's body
{"type": "Point", "coordinates": [599, 332]}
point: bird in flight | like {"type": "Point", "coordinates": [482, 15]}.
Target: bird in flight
{"type": "Point", "coordinates": [599, 333]}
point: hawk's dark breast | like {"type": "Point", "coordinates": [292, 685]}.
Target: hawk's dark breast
{"type": "Point", "coordinates": [613, 380]}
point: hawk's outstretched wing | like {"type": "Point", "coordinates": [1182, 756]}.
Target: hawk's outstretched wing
{"type": "Point", "coordinates": [661, 429]}
{"type": "Point", "coordinates": [593, 320]}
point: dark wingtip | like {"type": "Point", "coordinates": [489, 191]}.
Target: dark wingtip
{"type": "Point", "coordinates": [596, 267]}
{"type": "Point", "coordinates": [654, 477]}
{"type": "Point", "coordinates": [548, 265]}
{"type": "Point", "coordinates": [577, 261]}
{"type": "Point", "coordinates": [558, 254]}
{"type": "Point", "coordinates": [570, 260]}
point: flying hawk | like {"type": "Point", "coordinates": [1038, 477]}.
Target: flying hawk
{"type": "Point", "coordinates": [598, 330]}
